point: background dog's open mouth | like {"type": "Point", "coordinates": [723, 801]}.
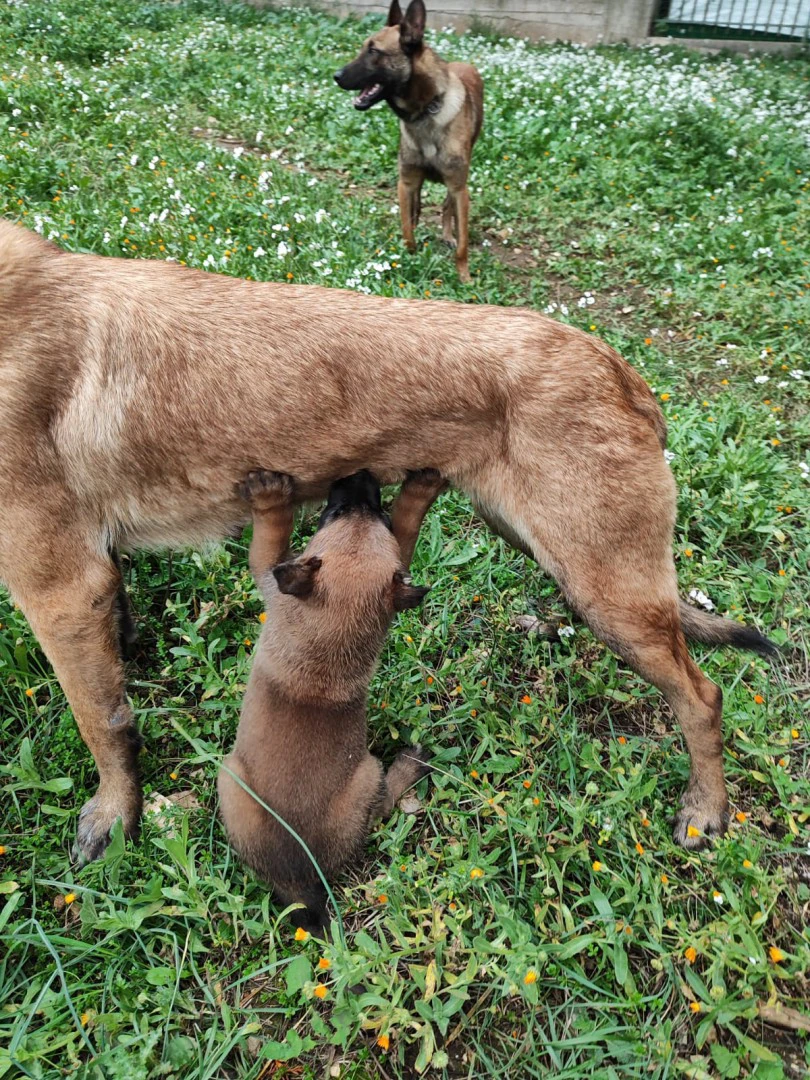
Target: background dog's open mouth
{"type": "Point", "coordinates": [368, 97]}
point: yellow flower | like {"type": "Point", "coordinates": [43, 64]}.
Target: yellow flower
{"type": "Point", "coordinates": [301, 934]}
{"type": "Point", "coordinates": [476, 872]}
{"type": "Point", "coordinates": [530, 977]}
{"type": "Point", "coordinates": [383, 1042]}
{"type": "Point", "coordinates": [691, 954]}
{"type": "Point", "coordinates": [263, 617]}
{"type": "Point", "coordinates": [248, 642]}
{"type": "Point", "coordinates": [70, 897]}
{"type": "Point", "coordinates": [747, 864]}
{"type": "Point", "coordinates": [321, 991]}
{"type": "Point", "coordinates": [664, 879]}
{"type": "Point", "coordinates": [474, 774]}
{"type": "Point", "coordinates": [665, 397]}
{"type": "Point", "coordinates": [84, 1019]}
{"type": "Point", "coordinates": [687, 552]}
{"type": "Point", "coordinates": [695, 1006]}
{"type": "Point", "coordinates": [794, 733]}
{"type": "Point", "coordinates": [324, 964]}
{"type": "Point", "coordinates": [776, 442]}
{"type": "Point", "coordinates": [692, 831]}
{"type": "Point", "coordinates": [29, 692]}
{"type": "Point", "coordinates": [596, 866]}
{"type": "Point", "coordinates": [776, 954]}
{"type": "Point", "coordinates": [172, 775]}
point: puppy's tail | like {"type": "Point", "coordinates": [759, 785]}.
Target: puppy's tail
{"type": "Point", "coordinates": [709, 629]}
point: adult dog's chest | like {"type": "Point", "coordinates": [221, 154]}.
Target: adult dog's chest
{"type": "Point", "coordinates": [431, 142]}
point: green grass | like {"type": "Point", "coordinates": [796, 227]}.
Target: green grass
{"type": "Point", "coordinates": [655, 197]}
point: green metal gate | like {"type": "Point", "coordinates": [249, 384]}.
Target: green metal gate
{"type": "Point", "coordinates": [751, 20]}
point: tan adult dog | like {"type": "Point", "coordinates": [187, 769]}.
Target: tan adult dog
{"type": "Point", "coordinates": [441, 109]}
{"type": "Point", "coordinates": [302, 742]}
{"type": "Point", "coordinates": [135, 395]}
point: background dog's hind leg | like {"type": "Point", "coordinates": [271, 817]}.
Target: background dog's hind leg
{"type": "Point", "coordinates": [69, 594]}
{"type": "Point", "coordinates": [448, 220]}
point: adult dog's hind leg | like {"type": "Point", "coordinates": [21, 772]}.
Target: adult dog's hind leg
{"type": "Point", "coordinates": [127, 630]}
{"type": "Point", "coordinates": [416, 496]}
{"type": "Point", "coordinates": [69, 594]}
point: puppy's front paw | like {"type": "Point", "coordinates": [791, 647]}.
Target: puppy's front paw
{"type": "Point", "coordinates": [267, 490]}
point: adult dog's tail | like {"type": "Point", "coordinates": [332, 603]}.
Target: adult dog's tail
{"type": "Point", "coordinates": [713, 630]}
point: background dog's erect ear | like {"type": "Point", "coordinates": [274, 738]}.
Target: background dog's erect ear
{"type": "Point", "coordinates": [412, 27]}
{"type": "Point", "coordinates": [394, 14]}
{"type": "Point", "coordinates": [297, 577]}
{"type": "Point", "coordinates": [406, 594]}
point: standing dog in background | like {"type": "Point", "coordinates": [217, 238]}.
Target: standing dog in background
{"type": "Point", "coordinates": [302, 743]}
{"type": "Point", "coordinates": [440, 107]}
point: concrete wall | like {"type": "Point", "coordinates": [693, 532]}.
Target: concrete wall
{"type": "Point", "coordinates": [586, 21]}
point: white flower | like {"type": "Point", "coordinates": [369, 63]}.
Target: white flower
{"type": "Point", "coordinates": [731, 152]}
{"type": "Point", "coordinates": [134, 159]}
{"type": "Point", "coordinates": [722, 362]}
{"type": "Point", "coordinates": [320, 215]}
{"type": "Point", "coordinates": [259, 136]}
{"type": "Point", "coordinates": [238, 151]}
{"type": "Point", "coordinates": [200, 166]}
{"type": "Point", "coordinates": [257, 254]}
{"type": "Point", "coordinates": [718, 897]}
{"type": "Point", "coordinates": [282, 250]}
{"type": "Point", "coordinates": [565, 631]}
{"type": "Point", "coordinates": [797, 373]}
{"type": "Point", "coordinates": [762, 378]}
{"type": "Point", "coordinates": [669, 457]}
{"type": "Point", "coordinates": [701, 598]}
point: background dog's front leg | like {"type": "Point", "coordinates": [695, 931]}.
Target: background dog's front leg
{"type": "Point", "coordinates": [416, 496]}
{"type": "Point", "coordinates": [69, 595]}
{"type": "Point", "coordinates": [409, 190]}
{"type": "Point", "coordinates": [271, 498]}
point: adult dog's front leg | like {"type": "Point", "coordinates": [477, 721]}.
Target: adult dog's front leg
{"type": "Point", "coordinates": [69, 594]}
{"type": "Point", "coordinates": [271, 498]}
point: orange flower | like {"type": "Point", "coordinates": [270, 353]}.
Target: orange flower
{"type": "Point", "coordinates": [664, 879]}
{"type": "Point", "coordinates": [2, 849]}
{"type": "Point", "coordinates": [324, 964]}
{"type": "Point", "coordinates": [430, 680]}
{"type": "Point", "coordinates": [691, 954]}
{"type": "Point", "coordinates": [695, 1006]}
{"type": "Point", "coordinates": [648, 341]}
{"type": "Point", "coordinates": [741, 817]}
{"type": "Point", "coordinates": [526, 699]}
{"type": "Point", "coordinates": [530, 977]}
{"type": "Point", "coordinates": [248, 642]}
{"type": "Point", "coordinates": [776, 955]}
{"type": "Point", "coordinates": [263, 617]}
{"type": "Point", "coordinates": [535, 801]}
{"type": "Point", "coordinates": [621, 740]}
{"type": "Point", "coordinates": [29, 692]}
{"type": "Point", "coordinates": [687, 552]}
{"type": "Point", "coordinates": [382, 899]}
{"type": "Point", "coordinates": [321, 991]}
{"type": "Point", "coordinates": [639, 849]}
{"type": "Point", "coordinates": [645, 821]}
{"type": "Point", "coordinates": [759, 699]}
{"type": "Point", "coordinates": [383, 1042]}
{"type": "Point", "coordinates": [527, 784]}
{"type": "Point", "coordinates": [473, 712]}
{"type": "Point", "coordinates": [474, 774]}
{"type": "Point", "coordinates": [781, 573]}
{"type": "Point", "coordinates": [301, 934]}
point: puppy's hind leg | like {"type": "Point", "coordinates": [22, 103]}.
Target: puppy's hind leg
{"type": "Point", "coordinates": [407, 769]}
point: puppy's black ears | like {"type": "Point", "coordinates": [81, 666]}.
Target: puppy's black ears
{"type": "Point", "coordinates": [394, 14]}
{"type": "Point", "coordinates": [406, 594]}
{"type": "Point", "coordinates": [297, 577]}
{"type": "Point", "coordinates": [412, 27]}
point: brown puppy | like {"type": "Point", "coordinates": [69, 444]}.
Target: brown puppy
{"type": "Point", "coordinates": [301, 745]}
{"type": "Point", "coordinates": [136, 394]}
{"type": "Point", "coordinates": [441, 109]}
